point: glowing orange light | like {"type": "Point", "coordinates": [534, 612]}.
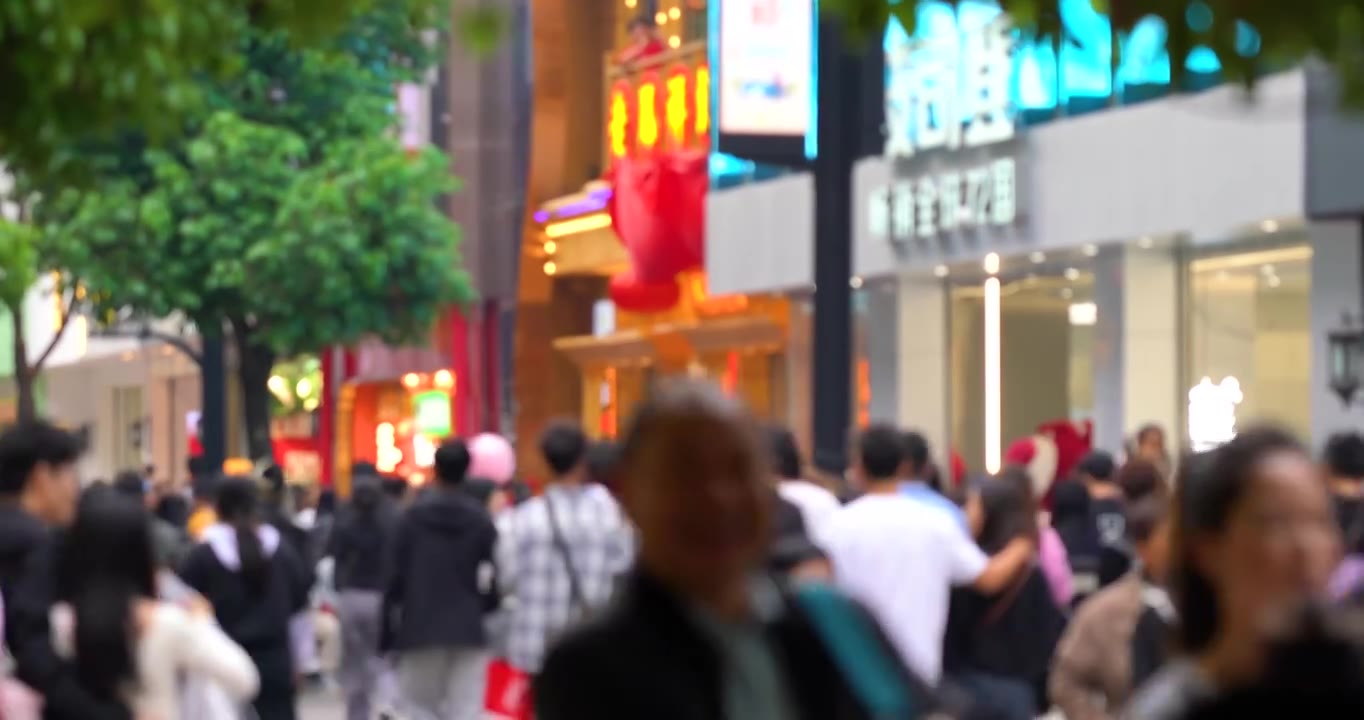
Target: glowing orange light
{"type": "Point", "coordinates": [411, 380]}
{"type": "Point", "coordinates": [445, 379]}
{"type": "Point", "coordinates": [618, 126]}
{"type": "Point", "coordinates": [677, 108]}
{"type": "Point", "coordinates": [648, 114]}
{"type": "Point", "coordinates": [708, 304]}
{"type": "Point", "coordinates": [701, 92]}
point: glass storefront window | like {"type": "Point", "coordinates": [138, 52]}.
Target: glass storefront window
{"type": "Point", "coordinates": [1249, 340]}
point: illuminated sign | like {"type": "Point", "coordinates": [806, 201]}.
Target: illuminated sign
{"type": "Point", "coordinates": [982, 196]}
{"type": "Point", "coordinates": [949, 93]}
{"type": "Point", "coordinates": [431, 413]}
{"type": "Point", "coordinates": [767, 62]}
{"type": "Point", "coordinates": [654, 110]}
{"type": "Point", "coordinates": [1212, 413]}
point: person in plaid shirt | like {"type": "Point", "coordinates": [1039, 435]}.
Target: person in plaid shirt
{"type": "Point", "coordinates": [559, 554]}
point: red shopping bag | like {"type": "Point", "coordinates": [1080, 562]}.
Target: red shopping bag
{"type": "Point", "coordinates": [508, 695]}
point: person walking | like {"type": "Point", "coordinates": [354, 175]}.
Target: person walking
{"type": "Point", "coordinates": [817, 505]}
{"type": "Point", "coordinates": [438, 594]}
{"type": "Point", "coordinates": [256, 584]}
{"type": "Point", "coordinates": [1254, 535]}
{"type": "Point", "coordinates": [1116, 640]}
{"type": "Point", "coordinates": [38, 491]}
{"type": "Point", "coordinates": [128, 646]}
{"type": "Point", "coordinates": [360, 544]}
{"type": "Point", "coordinates": [561, 553]}
{"type": "Point", "coordinates": [170, 543]}
{"type": "Point", "coordinates": [901, 557]}
{"type": "Point", "coordinates": [699, 631]}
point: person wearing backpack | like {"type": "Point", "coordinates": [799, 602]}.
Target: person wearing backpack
{"type": "Point", "coordinates": [359, 550]}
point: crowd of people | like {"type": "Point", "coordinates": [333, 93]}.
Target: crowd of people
{"type": "Point", "coordinates": [695, 570]}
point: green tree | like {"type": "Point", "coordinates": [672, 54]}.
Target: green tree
{"type": "Point", "coordinates": [75, 69]}
{"type": "Point", "coordinates": [288, 218]}
{"type": "Point", "coordinates": [1332, 30]}
{"type": "Point", "coordinates": [30, 252]}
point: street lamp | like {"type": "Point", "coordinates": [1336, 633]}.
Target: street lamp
{"type": "Point", "coordinates": [1345, 347]}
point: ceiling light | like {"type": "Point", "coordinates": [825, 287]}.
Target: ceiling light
{"type": "Point", "coordinates": [1269, 226]}
{"type": "Point", "coordinates": [551, 268]}
{"type": "Point", "coordinates": [855, 282]}
{"type": "Point", "coordinates": [1273, 281]}
{"type": "Point", "coordinates": [1038, 257]}
{"type": "Point", "coordinates": [1267, 269]}
{"type": "Point", "coordinates": [1146, 243]}
{"type": "Point", "coordinates": [1090, 250]}
{"type": "Point", "coordinates": [1072, 274]}
{"type": "Point", "coordinates": [1067, 293]}
{"type": "Point", "coordinates": [551, 247]}
{"type": "Point", "coordinates": [992, 263]}
{"type": "Point", "coordinates": [1083, 314]}
{"type": "Point", "coordinates": [940, 271]}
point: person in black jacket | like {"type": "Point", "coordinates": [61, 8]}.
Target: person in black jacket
{"type": "Point", "coordinates": [38, 490]}
{"type": "Point", "coordinates": [700, 632]}
{"type": "Point", "coordinates": [256, 584]}
{"type": "Point", "coordinates": [359, 551]}
{"type": "Point", "coordinates": [438, 594]}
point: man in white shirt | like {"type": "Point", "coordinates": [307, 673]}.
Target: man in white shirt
{"type": "Point", "coordinates": [817, 505]}
{"type": "Point", "coordinates": [901, 557]}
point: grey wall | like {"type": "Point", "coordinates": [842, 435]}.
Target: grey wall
{"type": "Point", "coordinates": [760, 237]}
{"type": "Point", "coordinates": [1335, 291]}
{"type": "Point", "coordinates": [1335, 150]}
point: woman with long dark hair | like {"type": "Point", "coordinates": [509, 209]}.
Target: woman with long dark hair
{"type": "Point", "coordinates": [256, 583]}
{"type": "Point", "coordinates": [1254, 535]}
{"type": "Point", "coordinates": [360, 544]}
{"type": "Point", "coordinates": [127, 646]}
{"type": "Point", "coordinates": [999, 646]}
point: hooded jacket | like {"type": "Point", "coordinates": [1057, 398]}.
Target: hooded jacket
{"type": "Point", "coordinates": [434, 598]}
{"type": "Point", "coordinates": [258, 620]}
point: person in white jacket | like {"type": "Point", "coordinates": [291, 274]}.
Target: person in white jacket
{"type": "Point", "coordinates": [106, 583]}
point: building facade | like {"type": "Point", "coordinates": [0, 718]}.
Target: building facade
{"type": "Point", "coordinates": [1177, 261]}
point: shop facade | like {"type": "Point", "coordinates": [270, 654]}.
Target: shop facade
{"type": "Point", "coordinates": [613, 280]}
{"type": "Point", "coordinates": [1177, 262]}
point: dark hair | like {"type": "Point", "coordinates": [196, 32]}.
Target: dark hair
{"type": "Point", "coordinates": [1148, 430]}
{"type": "Point", "coordinates": [1344, 455]}
{"type": "Point", "coordinates": [914, 448]}
{"type": "Point", "coordinates": [1210, 487]}
{"type": "Point", "coordinates": [452, 462]}
{"type": "Point", "coordinates": [104, 564]}
{"type": "Point", "coordinates": [1010, 509]}
{"type": "Point", "coordinates": [239, 507]}
{"type": "Point", "coordinates": [1144, 517]}
{"type": "Point", "coordinates": [26, 446]}
{"type": "Point", "coordinates": [781, 444]}
{"type": "Point", "coordinates": [601, 462]}
{"type": "Point", "coordinates": [1139, 479]}
{"type": "Point", "coordinates": [881, 450]}
{"type": "Point", "coordinates": [205, 487]}
{"type": "Point", "coordinates": [1097, 465]}
{"type": "Point", "coordinates": [1070, 502]}
{"type": "Point", "coordinates": [131, 484]}
{"type": "Point", "coordinates": [563, 445]}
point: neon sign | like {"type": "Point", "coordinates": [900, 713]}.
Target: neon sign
{"type": "Point", "coordinates": [652, 110]}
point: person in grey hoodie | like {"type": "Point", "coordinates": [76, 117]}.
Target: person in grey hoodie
{"type": "Point", "coordinates": [438, 593]}
{"type": "Point", "coordinates": [359, 546]}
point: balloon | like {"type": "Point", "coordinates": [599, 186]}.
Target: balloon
{"type": "Point", "coordinates": [491, 457]}
{"type": "Point", "coordinates": [631, 295]}
{"type": "Point", "coordinates": [658, 210]}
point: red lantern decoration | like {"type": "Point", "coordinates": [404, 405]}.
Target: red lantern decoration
{"type": "Point", "coordinates": [632, 295]}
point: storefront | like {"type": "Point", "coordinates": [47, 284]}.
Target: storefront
{"type": "Point", "coordinates": [1166, 262]}
{"type": "Point", "coordinates": [613, 273]}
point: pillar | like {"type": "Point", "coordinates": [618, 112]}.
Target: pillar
{"type": "Point", "coordinates": [924, 378]}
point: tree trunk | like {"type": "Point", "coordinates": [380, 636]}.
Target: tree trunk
{"type": "Point", "coordinates": [254, 363]}
{"type": "Point", "coordinates": [26, 405]}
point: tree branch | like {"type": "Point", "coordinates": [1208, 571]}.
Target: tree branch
{"type": "Point", "coordinates": [56, 340]}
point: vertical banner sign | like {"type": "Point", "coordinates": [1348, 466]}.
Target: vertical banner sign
{"type": "Point", "coordinates": [766, 66]}
{"type": "Point", "coordinates": [619, 110]}
{"type": "Point", "coordinates": [652, 111]}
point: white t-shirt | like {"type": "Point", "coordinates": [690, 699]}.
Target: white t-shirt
{"type": "Point", "coordinates": [817, 506]}
{"type": "Point", "coordinates": [901, 558]}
